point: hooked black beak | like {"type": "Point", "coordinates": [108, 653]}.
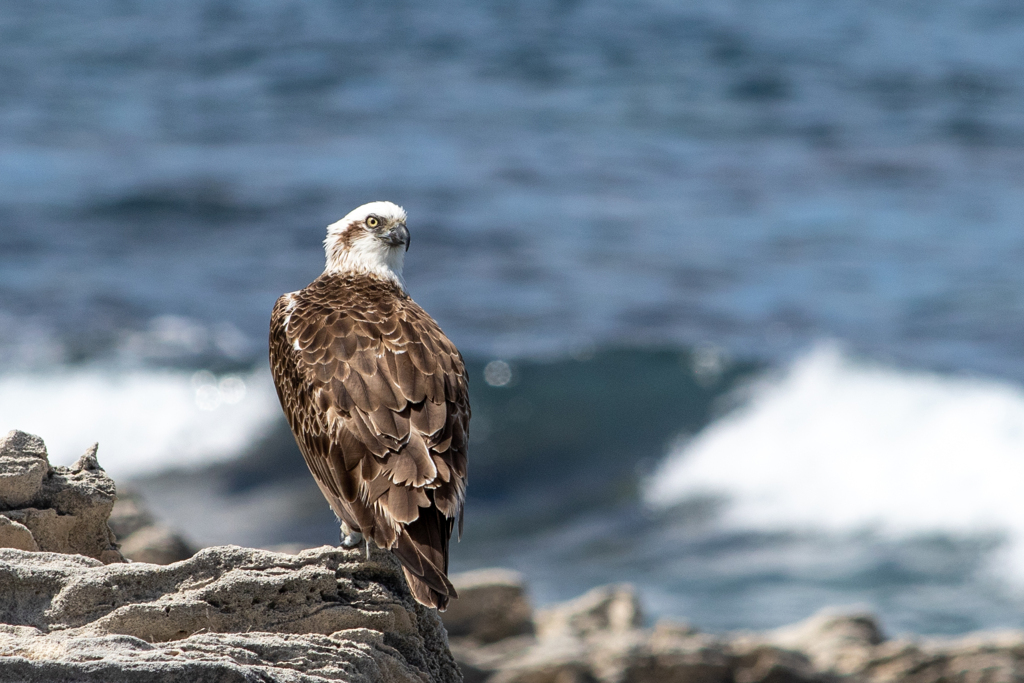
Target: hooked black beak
{"type": "Point", "coordinates": [399, 235]}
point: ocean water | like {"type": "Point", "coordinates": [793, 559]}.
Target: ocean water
{"type": "Point", "coordinates": [831, 480]}
{"type": "Point", "coordinates": [756, 269]}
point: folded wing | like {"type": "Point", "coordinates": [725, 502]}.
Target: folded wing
{"type": "Point", "coordinates": [377, 398]}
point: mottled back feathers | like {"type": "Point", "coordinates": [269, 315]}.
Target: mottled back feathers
{"type": "Point", "coordinates": [377, 398]}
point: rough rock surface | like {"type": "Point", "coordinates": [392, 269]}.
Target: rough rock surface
{"type": "Point", "coordinates": [492, 606]}
{"type": "Point", "coordinates": [54, 509]}
{"type": "Point", "coordinates": [614, 609]}
{"type": "Point", "coordinates": [71, 609]}
{"type": "Point", "coordinates": [834, 641]}
{"type": "Point", "coordinates": [599, 638]}
{"type": "Point", "coordinates": [226, 614]}
{"type": "Point", "coordinates": [25, 465]}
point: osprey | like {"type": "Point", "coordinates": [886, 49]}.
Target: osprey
{"type": "Point", "coordinates": [377, 398]}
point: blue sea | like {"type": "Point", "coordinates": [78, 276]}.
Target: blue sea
{"type": "Point", "coordinates": [751, 272]}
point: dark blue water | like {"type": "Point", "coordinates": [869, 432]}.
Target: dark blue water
{"type": "Point", "coordinates": [752, 175]}
{"type": "Point", "coordinates": [745, 178]}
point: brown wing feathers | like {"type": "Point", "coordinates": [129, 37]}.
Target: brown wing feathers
{"type": "Point", "coordinates": [377, 398]}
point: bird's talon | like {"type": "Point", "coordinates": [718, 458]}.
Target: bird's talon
{"type": "Point", "coordinates": [351, 540]}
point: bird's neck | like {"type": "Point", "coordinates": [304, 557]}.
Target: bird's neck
{"type": "Point", "coordinates": [367, 258]}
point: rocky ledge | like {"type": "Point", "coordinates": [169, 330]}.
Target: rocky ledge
{"type": "Point", "coordinates": [226, 614]}
{"type": "Point", "coordinates": [72, 609]}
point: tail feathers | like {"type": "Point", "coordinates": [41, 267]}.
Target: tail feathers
{"type": "Point", "coordinates": [421, 547]}
{"type": "Point", "coordinates": [431, 594]}
{"type": "Point", "coordinates": [423, 550]}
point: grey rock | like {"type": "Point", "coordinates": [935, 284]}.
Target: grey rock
{"type": "Point", "coordinates": [606, 656]}
{"type": "Point", "coordinates": [835, 640]}
{"type": "Point", "coordinates": [644, 660]}
{"type": "Point", "coordinates": [15, 535]}
{"type": "Point", "coordinates": [23, 466]}
{"type": "Point", "coordinates": [767, 664]}
{"type": "Point", "coordinates": [548, 660]}
{"type": "Point", "coordinates": [493, 656]}
{"type": "Point", "coordinates": [981, 656]}
{"type": "Point", "coordinates": [129, 513]}
{"type": "Point", "coordinates": [156, 544]}
{"type": "Point", "coordinates": [226, 614]}
{"type": "Point", "coordinates": [88, 462]}
{"type": "Point", "coordinates": [667, 629]}
{"type": "Point", "coordinates": [492, 606]}
{"type": "Point", "coordinates": [597, 638]}
{"type": "Point", "coordinates": [851, 645]}
{"type": "Point", "coordinates": [64, 509]}
{"type": "Point", "coordinates": [479, 662]}
{"type": "Point", "coordinates": [142, 539]}
{"type": "Point", "coordinates": [613, 608]}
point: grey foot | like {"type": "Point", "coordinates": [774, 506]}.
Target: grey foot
{"type": "Point", "coordinates": [351, 540]}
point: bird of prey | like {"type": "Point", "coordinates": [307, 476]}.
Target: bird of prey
{"type": "Point", "coordinates": [377, 398]}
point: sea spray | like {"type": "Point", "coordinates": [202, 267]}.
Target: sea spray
{"type": "Point", "coordinates": [144, 420]}
{"type": "Point", "coordinates": [847, 446]}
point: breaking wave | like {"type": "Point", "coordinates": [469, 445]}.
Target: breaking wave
{"type": "Point", "coordinates": [144, 420]}
{"type": "Point", "coordinates": [841, 445]}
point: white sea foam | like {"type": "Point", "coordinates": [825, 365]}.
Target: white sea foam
{"type": "Point", "coordinates": [843, 446]}
{"type": "Point", "coordinates": [144, 421]}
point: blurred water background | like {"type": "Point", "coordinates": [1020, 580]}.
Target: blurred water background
{"type": "Point", "coordinates": [739, 283]}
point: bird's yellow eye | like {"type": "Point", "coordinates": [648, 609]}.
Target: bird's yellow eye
{"type": "Point", "coordinates": [372, 222]}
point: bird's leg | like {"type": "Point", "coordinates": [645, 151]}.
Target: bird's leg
{"type": "Point", "coordinates": [349, 538]}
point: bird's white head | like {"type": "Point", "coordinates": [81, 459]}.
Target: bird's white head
{"type": "Point", "coordinates": [370, 240]}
